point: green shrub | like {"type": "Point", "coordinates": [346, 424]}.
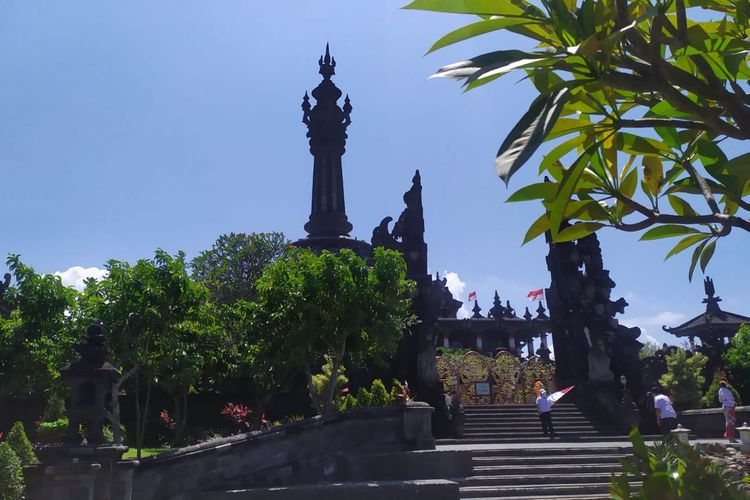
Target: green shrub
{"type": "Point", "coordinates": [54, 410]}
{"type": "Point", "coordinates": [52, 432]}
{"type": "Point", "coordinates": [19, 441]}
{"type": "Point", "coordinates": [348, 403]}
{"type": "Point", "coordinates": [379, 394]}
{"type": "Point", "coordinates": [711, 398]}
{"type": "Point", "coordinates": [11, 474]}
{"type": "Point", "coordinates": [683, 379]}
{"type": "Point", "coordinates": [364, 397]}
{"type": "Point", "coordinates": [670, 470]}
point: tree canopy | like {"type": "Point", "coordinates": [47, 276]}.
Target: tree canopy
{"type": "Point", "coordinates": [230, 268]}
{"type": "Point", "coordinates": [37, 337]}
{"type": "Point", "coordinates": [313, 309]}
{"type": "Point", "coordinates": [737, 360]}
{"type": "Point", "coordinates": [643, 100]}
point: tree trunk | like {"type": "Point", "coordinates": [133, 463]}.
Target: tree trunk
{"type": "Point", "coordinates": [138, 415]}
{"type": "Point", "coordinates": [337, 361]}
{"type": "Point", "coordinates": [114, 417]}
{"type": "Point", "coordinates": [180, 416]}
{"type": "Point", "coordinates": [311, 389]}
{"type": "Point", "coordinates": [144, 420]}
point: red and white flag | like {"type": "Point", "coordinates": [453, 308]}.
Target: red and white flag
{"type": "Point", "coordinates": [535, 294]}
{"type": "Point", "coordinates": [472, 296]}
{"type": "Point", "coordinates": [552, 398]}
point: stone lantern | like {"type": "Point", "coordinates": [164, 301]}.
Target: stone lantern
{"type": "Point", "coordinates": [744, 438]}
{"type": "Point", "coordinates": [85, 467]}
{"type": "Point", "coordinates": [91, 379]}
{"type": "Point", "coordinates": [681, 433]}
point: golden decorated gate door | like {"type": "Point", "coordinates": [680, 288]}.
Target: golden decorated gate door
{"type": "Point", "coordinates": [504, 380]}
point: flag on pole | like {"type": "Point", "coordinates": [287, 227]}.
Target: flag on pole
{"type": "Point", "coordinates": [472, 296]}
{"type": "Point", "coordinates": [534, 294]}
{"type": "Point", "coordinates": [552, 398]}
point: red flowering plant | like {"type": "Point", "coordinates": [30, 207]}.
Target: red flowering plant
{"type": "Point", "coordinates": [239, 415]}
{"type": "Point", "coordinates": [166, 420]}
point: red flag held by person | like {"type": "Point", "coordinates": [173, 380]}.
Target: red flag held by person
{"type": "Point", "coordinates": [555, 396]}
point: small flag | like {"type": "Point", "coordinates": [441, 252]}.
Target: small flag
{"type": "Point", "coordinates": [534, 294]}
{"type": "Point", "coordinates": [552, 398]}
{"type": "Point", "coordinates": [472, 296]}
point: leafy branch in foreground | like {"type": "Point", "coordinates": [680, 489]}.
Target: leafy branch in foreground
{"type": "Point", "coordinates": [635, 94]}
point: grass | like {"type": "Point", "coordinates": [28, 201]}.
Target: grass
{"type": "Point", "coordinates": [145, 452]}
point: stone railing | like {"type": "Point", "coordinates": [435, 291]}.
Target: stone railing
{"type": "Point", "coordinates": [709, 423]}
{"type": "Point", "coordinates": [310, 451]}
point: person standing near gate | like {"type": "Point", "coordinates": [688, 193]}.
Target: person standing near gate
{"type": "Point", "coordinates": [544, 407]}
{"type": "Point", "coordinates": [726, 398]}
{"type": "Point", "coordinates": [666, 417]}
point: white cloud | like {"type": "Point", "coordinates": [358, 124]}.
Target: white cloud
{"type": "Point", "coordinates": [653, 324]}
{"type": "Point", "coordinates": [76, 275]}
{"type": "Point", "coordinates": [457, 289]}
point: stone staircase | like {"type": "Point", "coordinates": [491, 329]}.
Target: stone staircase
{"type": "Point", "coordinates": [512, 459]}
{"type": "Point", "coordinates": [520, 424]}
{"type": "Point", "coordinates": [543, 473]}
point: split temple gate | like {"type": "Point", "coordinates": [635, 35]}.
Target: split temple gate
{"type": "Point", "coordinates": [591, 349]}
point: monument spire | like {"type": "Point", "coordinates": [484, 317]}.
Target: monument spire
{"type": "Point", "coordinates": [326, 127]}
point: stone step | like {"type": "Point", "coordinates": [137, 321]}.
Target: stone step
{"type": "Point", "coordinates": [493, 433]}
{"type": "Point", "coordinates": [552, 452]}
{"type": "Point", "coordinates": [567, 478]}
{"type": "Point", "coordinates": [545, 459]}
{"type": "Point", "coordinates": [572, 469]}
{"type": "Point", "coordinates": [538, 439]}
{"type": "Point", "coordinates": [596, 496]}
{"type": "Point", "coordinates": [536, 427]}
{"type": "Point", "coordinates": [554, 490]}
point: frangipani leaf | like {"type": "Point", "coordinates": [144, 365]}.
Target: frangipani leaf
{"type": "Point", "coordinates": [667, 231]}
{"type": "Point", "coordinates": [524, 139]}
{"type": "Point", "coordinates": [577, 231]}
{"type": "Point", "coordinates": [476, 29]}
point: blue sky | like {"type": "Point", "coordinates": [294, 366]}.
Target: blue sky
{"type": "Point", "coordinates": [128, 126]}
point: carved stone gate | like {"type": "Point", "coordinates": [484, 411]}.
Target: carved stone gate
{"type": "Point", "coordinates": [504, 380]}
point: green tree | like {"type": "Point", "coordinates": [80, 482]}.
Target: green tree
{"type": "Point", "coordinates": [711, 397]}
{"type": "Point", "coordinates": [649, 349]}
{"type": "Point", "coordinates": [11, 474]}
{"type": "Point", "coordinates": [230, 268]}
{"type": "Point", "coordinates": [160, 328]}
{"type": "Point", "coordinates": [683, 379]}
{"type": "Point", "coordinates": [645, 94]}
{"type": "Point", "coordinates": [311, 307]}
{"type": "Point", "coordinates": [21, 445]}
{"type": "Point", "coordinates": [37, 338]}
{"type": "Point", "coordinates": [737, 361]}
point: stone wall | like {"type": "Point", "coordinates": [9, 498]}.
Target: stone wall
{"type": "Point", "coordinates": [709, 423]}
{"type": "Point", "coordinates": [315, 450]}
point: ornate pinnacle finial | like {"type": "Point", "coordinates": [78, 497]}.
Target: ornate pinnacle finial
{"type": "Point", "coordinates": [327, 65]}
{"type": "Point", "coordinates": [527, 316]}
{"type": "Point", "coordinates": [477, 310]}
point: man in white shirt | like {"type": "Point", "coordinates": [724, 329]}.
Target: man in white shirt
{"type": "Point", "coordinates": [666, 417]}
{"type": "Point", "coordinates": [726, 398]}
{"type": "Point", "coordinates": [544, 407]}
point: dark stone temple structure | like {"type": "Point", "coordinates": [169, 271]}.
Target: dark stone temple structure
{"type": "Point", "coordinates": [714, 327]}
{"type": "Point", "coordinates": [590, 346]}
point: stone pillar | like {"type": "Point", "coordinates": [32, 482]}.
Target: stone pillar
{"type": "Point", "coordinates": [530, 347]}
{"type": "Point", "coordinates": [446, 340]}
{"type": "Point", "coordinates": [692, 343]}
{"type": "Point", "coordinates": [512, 344]}
{"type": "Point", "coordinates": [543, 338]}
{"type": "Point", "coordinates": [480, 345]}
